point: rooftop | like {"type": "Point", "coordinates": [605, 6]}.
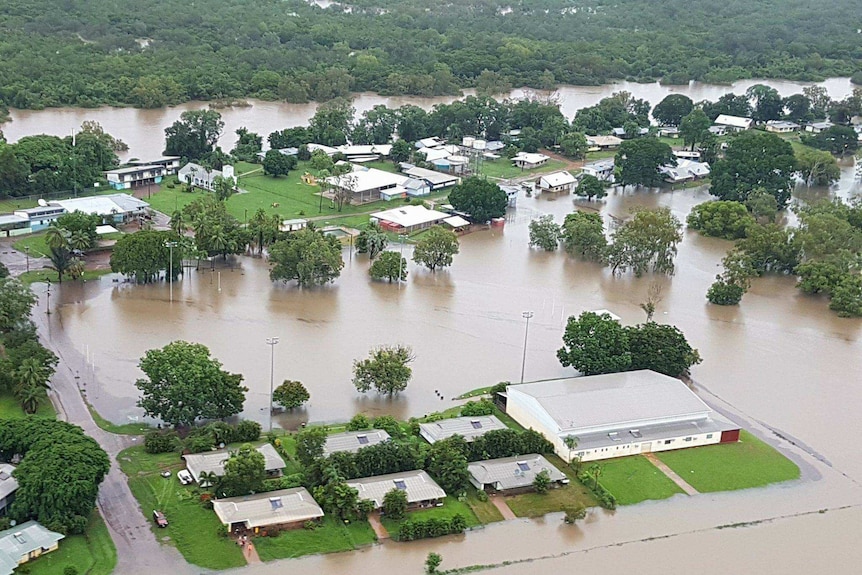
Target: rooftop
{"type": "Point", "coordinates": [134, 169]}
{"type": "Point", "coordinates": [602, 141]}
{"type": "Point", "coordinates": [660, 431]}
{"type": "Point", "coordinates": [17, 543]}
{"type": "Point", "coordinates": [102, 205]}
{"type": "Point", "coordinates": [557, 179]}
{"type": "Point", "coordinates": [417, 484]}
{"type": "Point", "coordinates": [363, 179]}
{"type": "Point", "coordinates": [8, 484]}
{"type": "Point", "coordinates": [630, 398]}
{"type": "Point", "coordinates": [469, 427]}
{"type": "Point", "coordinates": [432, 177]}
{"type": "Point", "coordinates": [528, 158]}
{"type": "Point", "coordinates": [409, 216]}
{"type": "Point", "coordinates": [733, 121]}
{"type": "Point", "coordinates": [270, 508]}
{"type": "Point", "coordinates": [513, 472]}
{"type": "Point", "coordinates": [213, 461]}
{"type": "Point", "coordinates": [353, 441]}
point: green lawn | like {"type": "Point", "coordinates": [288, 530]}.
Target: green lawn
{"type": "Point", "coordinates": [535, 505]}
{"type": "Point", "coordinates": [192, 528]}
{"type": "Point", "coordinates": [92, 553]}
{"type": "Point", "coordinates": [451, 506]}
{"type": "Point", "coordinates": [730, 466]}
{"type": "Point", "coordinates": [36, 244]}
{"type": "Point", "coordinates": [476, 392]}
{"type": "Point", "coordinates": [124, 429]}
{"type": "Point", "coordinates": [44, 275]}
{"type": "Point", "coordinates": [332, 536]}
{"type": "Point", "coordinates": [10, 408]}
{"type": "Point", "coordinates": [12, 204]}
{"type": "Point", "coordinates": [600, 155]}
{"type": "Point", "coordinates": [504, 169]}
{"type": "Point", "coordinates": [634, 479]}
{"type": "Point", "coordinates": [486, 512]}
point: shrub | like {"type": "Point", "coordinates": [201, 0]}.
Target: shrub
{"type": "Point", "coordinates": [500, 387]}
{"type": "Point", "coordinates": [395, 503]}
{"type": "Point", "coordinates": [482, 496]}
{"type": "Point", "coordinates": [70, 570]}
{"type": "Point", "coordinates": [158, 441]}
{"type": "Point", "coordinates": [434, 527]}
{"type": "Point", "coordinates": [222, 531]}
{"type": "Point", "coordinates": [199, 440]}
{"type": "Point", "coordinates": [724, 293]}
{"type": "Point", "coordinates": [476, 408]}
{"type": "Point", "coordinates": [310, 525]}
{"type": "Point", "coordinates": [248, 431]}
{"type": "Point", "coordinates": [606, 498]}
{"type": "Point", "coordinates": [575, 514]}
{"type": "Point", "coordinates": [359, 422]}
{"type": "Point", "coordinates": [388, 424]}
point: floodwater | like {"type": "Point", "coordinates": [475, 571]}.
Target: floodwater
{"type": "Point", "coordinates": [143, 130]}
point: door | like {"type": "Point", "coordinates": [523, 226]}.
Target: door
{"type": "Point", "coordinates": [646, 447]}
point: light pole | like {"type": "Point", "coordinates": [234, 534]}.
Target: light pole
{"type": "Point", "coordinates": [171, 246]}
{"type": "Point", "coordinates": [27, 252]}
{"type": "Point", "coordinates": [401, 259]}
{"type": "Point", "coordinates": [526, 315]}
{"type": "Point", "coordinates": [48, 302]}
{"type": "Point", "coordinates": [271, 342]}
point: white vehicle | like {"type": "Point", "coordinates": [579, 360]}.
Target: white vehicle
{"type": "Point", "coordinates": [185, 477]}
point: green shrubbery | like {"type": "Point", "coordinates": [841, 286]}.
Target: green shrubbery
{"type": "Point", "coordinates": [434, 527]}
{"type": "Point", "coordinates": [477, 408]}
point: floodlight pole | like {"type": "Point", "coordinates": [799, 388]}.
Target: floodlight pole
{"type": "Point", "coordinates": [271, 342]}
{"type": "Point", "coordinates": [526, 315]}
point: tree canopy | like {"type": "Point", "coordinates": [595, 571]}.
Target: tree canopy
{"type": "Point", "coordinates": [751, 161]}
{"type": "Point", "coordinates": [436, 248]}
{"type": "Point", "coordinates": [386, 370]}
{"type": "Point", "coordinates": [307, 256]}
{"type": "Point", "coordinates": [638, 161]}
{"type": "Point", "coordinates": [290, 394]}
{"type": "Point", "coordinates": [481, 199]}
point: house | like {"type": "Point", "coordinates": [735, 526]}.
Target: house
{"type": "Point", "coordinates": [436, 180]}
{"type": "Point", "coordinates": [328, 150]}
{"type": "Point", "coordinates": [200, 177]}
{"type": "Point", "coordinates": [213, 462]}
{"type": "Point", "coordinates": [416, 188]}
{"type": "Point", "coordinates": [621, 132]}
{"type": "Point", "coordinates": [408, 219]}
{"type": "Point", "coordinates": [434, 154]}
{"type": "Point", "coordinates": [283, 151]}
{"type": "Point", "coordinates": [733, 123]}
{"type": "Point", "coordinates": [24, 543]}
{"type": "Point", "coordinates": [511, 194]}
{"type": "Point", "coordinates": [40, 217]}
{"type": "Point", "coordinates": [135, 176]}
{"type": "Point", "coordinates": [601, 169]}
{"type": "Point", "coordinates": [668, 132]}
{"type": "Point", "coordinates": [353, 441]}
{"type": "Point", "coordinates": [717, 130]}
{"type": "Point", "coordinates": [428, 143]}
{"type": "Point", "coordinates": [685, 170]}
{"type": "Point", "coordinates": [686, 154]}
{"type": "Point", "coordinates": [527, 161]}
{"type": "Point", "coordinates": [369, 184]}
{"type": "Point", "coordinates": [285, 508]}
{"type": "Point", "coordinates": [597, 143]}
{"type": "Point", "coordinates": [469, 427]}
{"type": "Point", "coordinates": [781, 126]}
{"type": "Point", "coordinates": [365, 153]}
{"type": "Point", "coordinates": [170, 164]}
{"type": "Point", "coordinates": [557, 182]}
{"type": "Point", "coordinates": [513, 473]}
{"type": "Point", "coordinates": [116, 207]}
{"type": "Point", "coordinates": [8, 487]}
{"type": "Point", "coordinates": [494, 146]}
{"type": "Point", "coordinates": [421, 490]}
{"type": "Point", "coordinates": [13, 225]}
{"type": "Point", "coordinates": [293, 225]}
{"type": "Point", "coordinates": [817, 127]}
{"type": "Point", "coordinates": [617, 414]}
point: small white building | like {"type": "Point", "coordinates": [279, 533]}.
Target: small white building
{"type": "Point", "coordinates": [601, 169]}
{"type": "Point", "coordinates": [353, 441]}
{"type": "Point", "coordinates": [617, 414]}
{"type": "Point", "coordinates": [468, 427]}
{"type": "Point", "coordinates": [432, 142]}
{"type": "Point", "coordinates": [527, 161]}
{"type": "Point", "coordinates": [668, 132]}
{"type": "Point", "coordinates": [201, 177]}
{"type": "Point", "coordinates": [8, 487]}
{"type": "Point", "coordinates": [285, 507]}
{"type": "Point", "coordinates": [369, 184]}
{"type": "Point", "coordinates": [421, 490]}
{"type": "Point", "coordinates": [781, 126]}
{"type": "Point", "coordinates": [733, 123]}
{"type": "Point", "coordinates": [817, 127]}
{"type": "Point", "coordinates": [558, 182]}
{"type": "Point", "coordinates": [293, 225]}
{"type": "Point", "coordinates": [213, 462]}
{"type": "Point", "coordinates": [685, 170]}
{"type": "Point", "coordinates": [408, 219]}
{"type": "Point", "coordinates": [364, 153]}
{"type": "Point", "coordinates": [24, 543]}
{"type": "Point", "coordinates": [687, 154]}
{"type": "Point", "coordinates": [435, 180]}
{"type": "Point", "coordinates": [513, 473]}
{"type": "Point", "coordinates": [597, 143]}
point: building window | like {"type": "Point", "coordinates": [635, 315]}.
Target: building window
{"type": "Point", "coordinates": [667, 441]}
{"type": "Point", "coordinates": [709, 436]}
{"type": "Point", "coordinates": [476, 424]}
{"type": "Point", "coordinates": [523, 466]}
{"type": "Point", "coordinates": [687, 439]}
{"type": "Point", "coordinates": [362, 439]}
{"type": "Point", "coordinates": [399, 484]}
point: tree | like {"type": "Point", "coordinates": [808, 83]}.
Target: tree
{"type": "Point", "coordinates": [145, 254]}
{"type": "Point", "coordinates": [81, 225]}
{"type": "Point", "coordinates": [338, 498]}
{"type": "Point", "coordinates": [16, 301]}
{"type": "Point", "coordinates": [277, 164]}
{"type": "Point", "coordinates": [395, 503]}
{"type": "Point", "coordinates": [436, 248]}
{"type": "Point", "coordinates": [595, 344]}
{"type": "Point", "coordinates": [544, 233]}
{"type": "Point", "coordinates": [290, 394]}
{"type": "Point", "coordinates": [331, 123]}
{"type": "Point", "coordinates": [766, 103]}
{"type": "Point", "coordinates": [263, 229]}
{"type": "Point", "coordinates": [770, 248]}
{"type": "Point", "coordinates": [185, 384]}
{"type": "Point", "coordinates": [248, 145]}
{"type": "Point", "coordinates": [694, 127]}
{"type": "Point", "coordinates": [401, 151]}
{"type": "Point", "coordinates": [721, 292]}
{"type": "Point", "coordinates": [639, 161]}
{"type": "Point", "coordinates": [654, 297]}
{"type": "Point", "coordinates": [432, 562]}
{"type": "Point", "coordinates": [61, 260]}
{"type": "Point", "coordinates": [647, 242]}
{"type": "Point", "coordinates": [385, 370]}
{"type": "Point", "coordinates": [590, 187]}
{"type": "Point", "coordinates": [307, 256]}
{"type": "Point", "coordinates": [223, 187]}
{"type": "Point", "coordinates": [847, 296]}
{"type": "Point", "coordinates": [762, 205]}
{"type": "Point", "coordinates": [244, 472]}
{"type": "Point", "coordinates": [194, 135]}
{"type": "Point", "coordinates": [583, 234]}
{"type": "Point", "coordinates": [575, 514]}
{"type": "Point", "coordinates": [390, 266]}
{"type": "Point", "coordinates": [754, 160]}
{"type": "Point", "coordinates": [671, 110]}
{"type": "Point", "coordinates": [542, 482]}
{"type": "Point", "coordinates": [31, 381]}
{"type": "Point", "coordinates": [661, 348]}
{"type": "Point", "coordinates": [481, 199]}
{"type": "Point", "coordinates": [372, 240]}
{"type": "Point", "coordinates": [574, 145]}
{"type": "Point", "coordinates": [4, 271]}
{"type": "Point", "coordinates": [447, 462]}
{"type": "Point", "coordinates": [838, 140]}
{"type": "Point", "coordinates": [721, 219]}
{"type": "Point", "coordinates": [817, 167]}
{"type": "Point", "coordinates": [309, 445]}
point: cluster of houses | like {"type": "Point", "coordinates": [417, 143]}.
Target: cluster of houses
{"type": "Point", "coordinates": [113, 208]}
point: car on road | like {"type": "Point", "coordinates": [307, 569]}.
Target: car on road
{"type": "Point", "coordinates": [160, 518]}
{"type": "Point", "coordinates": [185, 477]}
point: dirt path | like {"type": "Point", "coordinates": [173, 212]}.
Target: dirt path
{"type": "Point", "coordinates": [500, 504]}
{"type": "Point", "coordinates": [671, 474]}
{"type": "Point", "coordinates": [379, 529]}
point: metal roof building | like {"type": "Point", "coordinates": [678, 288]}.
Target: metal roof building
{"type": "Point", "coordinates": [25, 542]}
{"type": "Point", "coordinates": [408, 218]}
{"type": "Point", "coordinates": [617, 414]}
{"type": "Point", "coordinates": [8, 486]}
{"type": "Point", "coordinates": [213, 461]}
{"type": "Point", "coordinates": [469, 427]}
{"type": "Point", "coordinates": [353, 441]}
{"type": "Point", "coordinates": [281, 507]}
{"type": "Point", "coordinates": [517, 472]}
{"type": "Point", "coordinates": [733, 122]}
{"type": "Point", "coordinates": [420, 488]}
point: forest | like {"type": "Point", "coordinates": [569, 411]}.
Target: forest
{"type": "Point", "coordinates": [153, 53]}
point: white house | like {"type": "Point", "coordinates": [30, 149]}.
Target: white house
{"type": "Point", "coordinates": [685, 170]}
{"type": "Point", "coordinates": [213, 461]}
{"type": "Point", "coordinates": [353, 441]}
{"type": "Point", "coordinates": [169, 163]}
{"type": "Point", "coordinates": [617, 414]}
{"type": "Point", "coordinates": [364, 153]}
{"type": "Point", "coordinates": [285, 507]}
{"type": "Point", "coordinates": [557, 182]}
{"type": "Point", "coordinates": [119, 207]}
{"type": "Point", "coordinates": [781, 126]}
{"type": "Point", "coordinates": [510, 473]}
{"type": "Point", "coordinates": [817, 127]}
{"type": "Point", "coordinates": [200, 177]}
{"type": "Point", "coordinates": [601, 169]}
{"type": "Point", "coordinates": [407, 219]}
{"type": "Point", "coordinates": [134, 176]}
{"type": "Point", "coordinates": [597, 143]}
{"type": "Point", "coordinates": [24, 543]}
{"type": "Point", "coordinates": [421, 490]}
{"type": "Point", "coordinates": [468, 427]}
{"type": "Point", "coordinates": [527, 161]}
{"type": "Point", "coordinates": [668, 132]}
{"type": "Point", "coordinates": [8, 487]}
{"type": "Point", "coordinates": [733, 123]}
{"type": "Point", "coordinates": [370, 184]}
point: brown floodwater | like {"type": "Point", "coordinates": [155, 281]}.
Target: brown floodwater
{"type": "Point", "coordinates": [143, 130]}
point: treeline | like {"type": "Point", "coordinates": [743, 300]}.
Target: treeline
{"type": "Point", "coordinates": [60, 52]}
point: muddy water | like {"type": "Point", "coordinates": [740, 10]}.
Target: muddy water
{"type": "Point", "coordinates": [143, 130]}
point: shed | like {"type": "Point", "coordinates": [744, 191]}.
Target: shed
{"type": "Point", "coordinates": [557, 182]}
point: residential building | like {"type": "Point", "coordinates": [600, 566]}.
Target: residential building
{"type": "Point", "coordinates": [717, 130]}
{"type": "Point", "coordinates": [13, 225]}
{"type": "Point", "coordinates": [513, 473]}
{"type": "Point", "coordinates": [283, 151]}
{"type": "Point", "coordinates": [408, 219]}
{"type": "Point", "coordinates": [200, 177]}
{"type": "Point", "coordinates": [733, 123]}
{"type": "Point", "coordinates": [285, 508]}
{"type": "Point", "coordinates": [135, 176]}
{"type": "Point", "coordinates": [781, 126]}
{"type": "Point", "coordinates": [118, 208]}
{"type": "Point", "coordinates": [468, 427]}
{"type": "Point", "coordinates": [365, 153]}
{"type": "Point", "coordinates": [353, 441]}
{"type": "Point", "coordinates": [328, 150]}
{"type": "Point", "coordinates": [617, 414]}
{"type": "Point", "coordinates": [40, 217]}
{"type": "Point", "coordinates": [293, 225]}
{"type": "Point", "coordinates": [686, 154]}
{"type": "Point", "coordinates": [421, 490]}
{"type": "Point", "coordinates": [601, 169]}
{"type": "Point", "coordinates": [170, 164]}
{"type": "Point", "coordinates": [370, 184]}
{"type": "Point", "coordinates": [213, 462]}
{"type": "Point", "coordinates": [597, 143]}
{"type": "Point", "coordinates": [685, 170]}
{"type": "Point", "coordinates": [668, 132]}
{"type": "Point", "coordinates": [428, 143]}
{"type": "Point", "coordinates": [817, 127]}
{"type": "Point", "coordinates": [558, 182]}
{"type": "Point", "coordinates": [527, 161]}
{"type": "Point", "coordinates": [435, 180]}
{"type": "Point", "coordinates": [24, 543]}
{"type": "Point", "coordinates": [512, 193]}
{"type": "Point", "coordinates": [8, 487]}
{"type": "Point", "coordinates": [621, 133]}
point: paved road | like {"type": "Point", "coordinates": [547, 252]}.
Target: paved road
{"type": "Point", "coordinates": [16, 261]}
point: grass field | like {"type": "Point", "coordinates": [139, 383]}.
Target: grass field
{"type": "Point", "coordinates": [451, 506]}
{"type": "Point", "coordinates": [634, 479]}
{"type": "Point", "coordinates": [36, 244]}
{"type": "Point", "coordinates": [332, 536]}
{"type": "Point", "coordinates": [730, 466]}
{"type": "Point", "coordinates": [536, 505]}
{"type": "Point", "coordinates": [504, 169]}
{"type": "Point", "coordinates": [10, 407]}
{"type": "Point", "coordinates": [124, 429]}
{"type": "Point", "coordinates": [44, 275]}
{"type": "Point", "coordinates": [486, 512]}
{"type": "Point", "coordinates": [92, 553]}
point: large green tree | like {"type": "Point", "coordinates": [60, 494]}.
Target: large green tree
{"type": "Point", "coordinates": [16, 301]}
{"type": "Point", "coordinates": [595, 344]}
{"type": "Point", "coordinates": [277, 164]}
{"type": "Point", "coordinates": [545, 233]}
{"type": "Point", "coordinates": [436, 248]}
{"type": "Point", "coordinates": [194, 135]}
{"type": "Point", "coordinates": [290, 394]}
{"type": "Point", "coordinates": [694, 127]}
{"type": "Point", "coordinates": [646, 242]}
{"type": "Point", "coordinates": [309, 445]}
{"type": "Point", "coordinates": [386, 370]}
{"type": "Point", "coordinates": [244, 472]}
{"type": "Point", "coordinates": [447, 463]}
{"type": "Point", "coordinates": [389, 266]}
{"type": "Point", "coordinates": [145, 254]}
{"type": "Point", "coordinates": [583, 234]}
{"type": "Point", "coordinates": [661, 348]}
{"type": "Point", "coordinates": [721, 219]}
{"type": "Point", "coordinates": [672, 109]}
{"type": "Point", "coordinates": [751, 161]}
{"type": "Point", "coordinates": [308, 256]}
{"type": "Point", "coordinates": [184, 384]}
{"type": "Point", "coordinates": [638, 162]}
{"type": "Point", "coordinates": [481, 199]}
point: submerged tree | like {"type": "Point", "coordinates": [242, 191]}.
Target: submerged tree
{"type": "Point", "coordinates": [386, 370]}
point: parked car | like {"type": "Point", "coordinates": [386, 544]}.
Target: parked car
{"type": "Point", "coordinates": [160, 518]}
{"type": "Point", "coordinates": [185, 477]}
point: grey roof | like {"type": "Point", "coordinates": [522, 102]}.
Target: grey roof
{"type": "Point", "coordinates": [127, 202]}
{"type": "Point", "coordinates": [8, 484]}
{"type": "Point", "coordinates": [213, 462]}
{"type": "Point", "coordinates": [353, 441]}
{"type": "Point", "coordinates": [431, 176]}
{"type": "Point", "coordinates": [6, 219]}
{"type": "Point", "coordinates": [660, 431]}
{"type": "Point", "coordinates": [597, 402]}
{"type": "Point", "coordinates": [134, 169]}
{"type": "Point", "coordinates": [16, 543]}
{"type": "Point", "coordinates": [513, 472]}
{"type": "Point", "coordinates": [270, 508]}
{"type": "Point", "coordinates": [469, 427]}
{"type": "Point", "coordinates": [417, 484]}
{"type": "Point", "coordinates": [162, 159]}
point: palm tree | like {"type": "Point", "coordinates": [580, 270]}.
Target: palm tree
{"type": "Point", "coordinates": [80, 240]}
{"type": "Point", "coordinates": [178, 222]}
{"type": "Point", "coordinates": [76, 268]}
{"type": "Point", "coordinates": [30, 397]}
{"type": "Point", "coordinates": [61, 260]}
{"type": "Point", "coordinates": [572, 442]}
{"type": "Point", "coordinates": [208, 479]}
{"type": "Point", "coordinates": [31, 381]}
{"type": "Point", "coordinates": [57, 237]}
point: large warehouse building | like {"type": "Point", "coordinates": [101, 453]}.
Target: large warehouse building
{"type": "Point", "coordinates": [617, 414]}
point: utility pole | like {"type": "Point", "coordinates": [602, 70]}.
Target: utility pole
{"type": "Point", "coordinates": [526, 315]}
{"type": "Point", "coordinates": [48, 302]}
{"type": "Point", "coordinates": [271, 342]}
{"type": "Point", "coordinates": [171, 246]}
